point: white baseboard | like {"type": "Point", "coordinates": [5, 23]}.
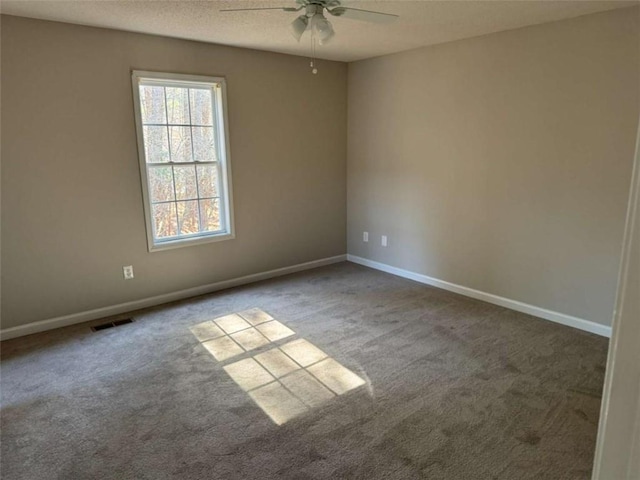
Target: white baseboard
{"type": "Point", "coordinates": [80, 317]}
{"type": "Point", "coordinates": [557, 317]}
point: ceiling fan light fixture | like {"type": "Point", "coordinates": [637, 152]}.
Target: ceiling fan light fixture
{"type": "Point", "coordinates": [322, 28]}
{"type": "Point", "coordinates": [299, 26]}
{"type": "Point", "coordinates": [314, 19]}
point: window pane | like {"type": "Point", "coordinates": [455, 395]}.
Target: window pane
{"type": "Point", "coordinates": [210, 215]}
{"type": "Point", "coordinates": [165, 221]}
{"type": "Point", "coordinates": [188, 221]}
{"type": "Point", "coordinates": [185, 182]}
{"type": "Point", "coordinates": [161, 184]}
{"type": "Point", "coordinates": [180, 144]}
{"type": "Point", "coordinates": [178, 106]}
{"type": "Point", "coordinates": [203, 148]}
{"type": "Point", "coordinates": [156, 144]}
{"type": "Point", "coordinates": [207, 181]}
{"type": "Point", "coordinates": [152, 104]}
{"type": "Point", "coordinates": [201, 106]}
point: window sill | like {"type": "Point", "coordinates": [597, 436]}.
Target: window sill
{"type": "Point", "coordinates": [187, 242]}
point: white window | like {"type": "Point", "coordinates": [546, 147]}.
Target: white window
{"type": "Point", "coordinates": [184, 158]}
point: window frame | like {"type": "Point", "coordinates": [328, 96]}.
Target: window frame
{"type": "Point", "coordinates": [221, 132]}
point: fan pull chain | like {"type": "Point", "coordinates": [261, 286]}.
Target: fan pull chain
{"type": "Point", "coordinates": [314, 70]}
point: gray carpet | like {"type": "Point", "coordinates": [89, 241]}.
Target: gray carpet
{"type": "Point", "coordinates": [455, 389]}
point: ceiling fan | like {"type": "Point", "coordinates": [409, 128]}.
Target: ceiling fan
{"type": "Point", "coordinates": [314, 20]}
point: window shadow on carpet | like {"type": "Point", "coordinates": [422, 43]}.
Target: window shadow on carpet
{"type": "Point", "coordinates": [285, 377]}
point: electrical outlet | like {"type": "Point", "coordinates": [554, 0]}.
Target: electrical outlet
{"type": "Point", "coordinates": [365, 236]}
{"type": "Point", "coordinates": [383, 241]}
{"type": "Point", "coordinates": [128, 272]}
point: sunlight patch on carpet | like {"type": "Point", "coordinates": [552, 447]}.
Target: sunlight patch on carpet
{"type": "Point", "coordinates": [285, 379]}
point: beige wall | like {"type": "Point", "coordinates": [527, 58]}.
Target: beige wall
{"type": "Point", "coordinates": [72, 212]}
{"type": "Point", "coordinates": [501, 163]}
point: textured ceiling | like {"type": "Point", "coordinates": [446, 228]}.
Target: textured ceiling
{"type": "Point", "coordinates": [421, 22]}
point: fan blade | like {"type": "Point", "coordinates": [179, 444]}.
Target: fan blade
{"type": "Point", "coordinates": [285, 9]}
{"type": "Point", "coordinates": [364, 15]}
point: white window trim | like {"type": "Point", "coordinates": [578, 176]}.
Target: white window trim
{"type": "Point", "coordinates": [222, 123]}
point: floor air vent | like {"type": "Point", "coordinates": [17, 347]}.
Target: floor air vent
{"type": "Point", "coordinates": [117, 323]}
